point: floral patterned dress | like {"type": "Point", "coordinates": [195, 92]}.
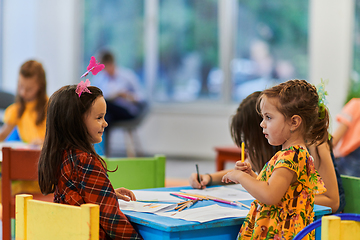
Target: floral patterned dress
{"type": "Point", "coordinates": [295, 210]}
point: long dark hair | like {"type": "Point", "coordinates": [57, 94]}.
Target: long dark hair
{"type": "Point", "coordinates": [245, 127]}
{"type": "Point", "coordinates": [65, 131]}
{"type": "Point", "coordinates": [31, 69]}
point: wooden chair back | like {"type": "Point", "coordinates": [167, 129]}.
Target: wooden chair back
{"type": "Point", "coordinates": [17, 164]}
{"type": "Point", "coordinates": [39, 220]}
{"type": "Point", "coordinates": [352, 197]}
{"type": "Point", "coordinates": [137, 173]}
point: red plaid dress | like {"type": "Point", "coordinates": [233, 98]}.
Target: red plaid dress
{"type": "Point", "coordinates": [84, 180]}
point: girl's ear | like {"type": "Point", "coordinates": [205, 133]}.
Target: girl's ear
{"type": "Point", "coordinates": [295, 122]}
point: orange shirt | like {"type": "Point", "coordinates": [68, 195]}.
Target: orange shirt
{"type": "Point", "coordinates": [28, 130]}
{"type": "Point", "coordinates": [350, 116]}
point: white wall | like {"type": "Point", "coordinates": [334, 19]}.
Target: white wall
{"type": "Point", "coordinates": [331, 44]}
{"type": "Point", "coordinates": [47, 31]}
{"type": "Point", "coordinates": [51, 33]}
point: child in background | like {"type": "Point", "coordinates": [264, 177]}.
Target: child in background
{"type": "Point", "coordinates": [245, 127]}
{"type": "Point", "coordinates": [285, 188]}
{"type": "Point", "coordinates": [346, 139]}
{"type": "Point", "coordinates": [247, 122]}
{"type": "Point", "coordinates": [29, 110]}
{"type": "Point", "coordinates": [70, 168]}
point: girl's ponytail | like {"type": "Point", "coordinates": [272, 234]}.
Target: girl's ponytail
{"type": "Point", "coordinates": [319, 132]}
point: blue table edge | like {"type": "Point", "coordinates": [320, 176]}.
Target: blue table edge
{"type": "Point", "coordinates": [193, 225]}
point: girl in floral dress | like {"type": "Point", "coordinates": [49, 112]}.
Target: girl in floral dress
{"type": "Point", "coordinates": [285, 188]}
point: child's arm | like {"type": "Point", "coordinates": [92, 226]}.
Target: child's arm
{"type": "Point", "coordinates": [339, 133]}
{"type": "Point", "coordinates": [269, 192]}
{"type": "Point", "coordinates": [213, 179]}
{"type": "Point", "coordinates": [125, 194]}
{"type": "Point", "coordinates": [325, 167]}
{"type": "Point", "coordinates": [5, 131]}
{"type": "Point", "coordinates": [245, 167]}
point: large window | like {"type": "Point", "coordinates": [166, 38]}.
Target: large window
{"type": "Point", "coordinates": [1, 39]}
{"type": "Point", "coordinates": [116, 26]}
{"type": "Point", "coordinates": [354, 89]}
{"type": "Point", "coordinates": [188, 49]}
{"type": "Point", "coordinates": [268, 39]}
{"type": "Point", "coordinates": [271, 44]}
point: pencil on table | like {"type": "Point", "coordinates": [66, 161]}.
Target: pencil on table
{"type": "Point", "coordinates": [242, 152]}
{"type": "Point", "coordinates": [183, 207]}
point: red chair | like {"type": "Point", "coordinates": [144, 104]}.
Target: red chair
{"type": "Point", "coordinates": [17, 164]}
{"type": "Point", "coordinates": [225, 154]}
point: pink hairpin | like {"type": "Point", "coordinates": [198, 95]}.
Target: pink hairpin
{"type": "Point", "coordinates": [94, 67]}
{"type": "Point", "coordinates": [82, 87]}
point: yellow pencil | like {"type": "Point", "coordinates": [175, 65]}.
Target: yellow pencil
{"type": "Point", "coordinates": [242, 152]}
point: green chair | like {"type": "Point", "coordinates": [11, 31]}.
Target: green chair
{"type": "Point", "coordinates": [137, 173]}
{"type": "Point", "coordinates": [352, 193]}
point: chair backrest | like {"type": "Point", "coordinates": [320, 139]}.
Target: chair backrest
{"type": "Point", "coordinates": [6, 99]}
{"type": "Point", "coordinates": [352, 193]}
{"type": "Point", "coordinates": [137, 173]}
{"type": "Point", "coordinates": [39, 220]}
{"type": "Point", "coordinates": [335, 227]}
{"type": "Point", "coordinates": [17, 164]}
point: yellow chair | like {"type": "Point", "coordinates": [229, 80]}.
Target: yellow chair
{"type": "Point", "coordinates": [334, 228]}
{"type": "Point", "coordinates": [39, 220]}
{"type": "Point", "coordinates": [137, 173]}
{"type": "Point", "coordinates": [341, 226]}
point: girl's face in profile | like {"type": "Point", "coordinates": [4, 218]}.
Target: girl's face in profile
{"type": "Point", "coordinates": [95, 120]}
{"type": "Point", "coordinates": [274, 124]}
{"type": "Point", "coordinates": [28, 88]}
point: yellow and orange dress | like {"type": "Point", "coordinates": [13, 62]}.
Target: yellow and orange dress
{"type": "Point", "coordinates": [295, 210]}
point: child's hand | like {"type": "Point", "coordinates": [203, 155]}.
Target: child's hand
{"type": "Point", "coordinates": [125, 194]}
{"type": "Point", "coordinates": [232, 176]}
{"type": "Point", "coordinates": [243, 166]}
{"type": "Point", "coordinates": [193, 180]}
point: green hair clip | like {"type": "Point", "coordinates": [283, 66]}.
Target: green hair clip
{"type": "Point", "coordinates": [320, 88]}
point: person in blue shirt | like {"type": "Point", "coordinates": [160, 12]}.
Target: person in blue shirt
{"type": "Point", "coordinates": [121, 89]}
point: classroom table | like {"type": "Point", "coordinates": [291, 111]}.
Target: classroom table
{"type": "Point", "coordinates": [152, 226]}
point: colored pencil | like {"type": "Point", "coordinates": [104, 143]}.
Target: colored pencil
{"type": "Point", "coordinates": [242, 152]}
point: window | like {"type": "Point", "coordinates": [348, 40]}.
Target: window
{"type": "Point", "coordinates": [354, 89]}
{"type": "Point", "coordinates": [1, 39]}
{"type": "Point", "coordinates": [117, 26]}
{"type": "Point", "coordinates": [271, 44]}
{"type": "Point", "coordinates": [268, 39]}
{"type": "Point", "coordinates": [188, 50]}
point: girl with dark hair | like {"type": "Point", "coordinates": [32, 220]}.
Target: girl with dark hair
{"type": "Point", "coordinates": [29, 110]}
{"type": "Point", "coordinates": [70, 168]}
{"type": "Point", "coordinates": [245, 127]}
{"type": "Point", "coordinates": [246, 122]}
{"type": "Point", "coordinates": [285, 188]}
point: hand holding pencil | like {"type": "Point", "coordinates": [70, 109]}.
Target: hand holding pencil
{"type": "Point", "coordinates": [243, 166]}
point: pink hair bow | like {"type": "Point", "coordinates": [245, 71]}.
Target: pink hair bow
{"type": "Point", "coordinates": [82, 87]}
{"type": "Point", "coordinates": [94, 67]}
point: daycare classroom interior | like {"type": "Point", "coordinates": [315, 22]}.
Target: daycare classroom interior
{"type": "Point", "coordinates": [195, 61]}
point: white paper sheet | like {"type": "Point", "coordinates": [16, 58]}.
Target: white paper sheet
{"type": "Point", "coordinates": [145, 207]}
{"type": "Point", "coordinates": [155, 196]}
{"type": "Point", "coordinates": [205, 214]}
{"type": "Point", "coordinates": [227, 193]}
